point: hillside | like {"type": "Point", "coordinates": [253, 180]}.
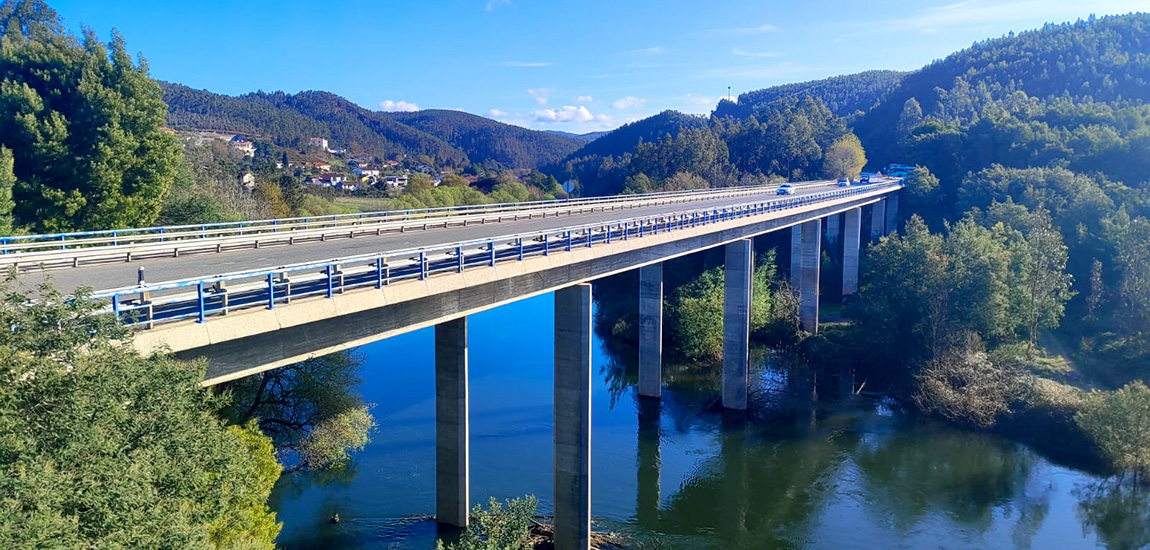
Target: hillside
{"type": "Point", "coordinates": [844, 95]}
{"type": "Point", "coordinates": [1100, 60]}
{"type": "Point", "coordinates": [483, 139]}
{"type": "Point", "coordinates": [650, 129]}
{"type": "Point", "coordinates": [290, 120]}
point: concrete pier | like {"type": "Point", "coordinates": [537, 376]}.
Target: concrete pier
{"type": "Point", "coordinates": [877, 220]}
{"type": "Point", "coordinates": [451, 431]}
{"type": "Point", "coordinates": [833, 228]}
{"type": "Point", "coordinates": [892, 213]}
{"type": "Point", "coordinates": [852, 231]}
{"type": "Point", "coordinates": [651, 330]}
{"type": "Point", "coordinates": [796, 252]}
{"type": "Point", "coordinates": [573, 418]}
{"type": "Point", "coordinates": [811, 260]}
{"type": "Point", "coordinates": [737, 290]}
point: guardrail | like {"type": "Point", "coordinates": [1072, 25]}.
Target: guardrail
{"type": "Point", "coordinates": [116, 237]}
{"type": "Point", "coordinates": [218, 295]}
{"type": "Point", "coordinates": [65, 254]}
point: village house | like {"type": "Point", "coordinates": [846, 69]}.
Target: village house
{"type": "Point", "coordinates": [321, 166]}
{"type": "Point", "coordinates": [319, 143]}
{"type": "Point", "coordinates": [365, 171]}
{"type": "Point", "coordinates": [331, 178]}
{"type": "Point", "coordinates": [248, 180]}
{"type": "Point", "coordinates": [244, 146]}
{"type": "Point", "coordinates": [395, 181]}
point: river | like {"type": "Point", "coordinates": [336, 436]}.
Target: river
{"type": "Point", "coordinates": [832, 476]}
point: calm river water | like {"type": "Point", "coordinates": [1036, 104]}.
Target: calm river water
{"type": "Point", "coordinates": [826, 476]}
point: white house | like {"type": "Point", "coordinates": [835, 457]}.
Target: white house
{"type": "Point", "coordinates": [319, 143]}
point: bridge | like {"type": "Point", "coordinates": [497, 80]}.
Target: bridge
{"type": "Point", "coordinates": [252, 296]}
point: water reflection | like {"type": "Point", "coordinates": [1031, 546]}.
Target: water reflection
{"type": "Point", "coordinates": [804, 470]}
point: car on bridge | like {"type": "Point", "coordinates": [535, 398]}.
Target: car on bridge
{"type": "Point", "coordinates": [865, 178]}
{"type": "Point", "coordinates": [786, 189]}
{"type": "Point", "coordinates": [844, 182]}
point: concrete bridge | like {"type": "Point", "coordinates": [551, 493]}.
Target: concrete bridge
{"type": "Point", "coordinates": [251, 297]}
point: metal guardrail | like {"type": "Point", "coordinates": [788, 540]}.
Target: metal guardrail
{"type": "Point", "coordinates": [46, 254]}
{"type": "Point", "coordinates": [209, 296]}
{"type": "Point", "coordinates": [117, 237]}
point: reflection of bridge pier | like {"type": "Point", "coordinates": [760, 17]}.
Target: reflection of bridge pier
{"type": "Point", "coordinates": [650, 465]}
{"type": "Point", "coordinates": [734, 490]}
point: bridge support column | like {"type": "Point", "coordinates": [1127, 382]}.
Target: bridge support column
{"type": "Point", "coordinates": [651, 330]}
{"type": "Point", "coordinates": [832, 229]}
{"type": "Point", "coordinates": [892, 213]}
{"type": "Point", "coordinates": [737, 322]}
{"type": "Point", "coordinates": [852, 229]}
{"type": "Point", "coordinates": [573, 418]}
{"type": "Point", "coordinates": [809, 293]}
{"type": "Point", "coordinates": [796, 253]}
{"type": "Point", "coordinates": [451, 429]}
{"type": "Point", "coordinates": [877, 220]}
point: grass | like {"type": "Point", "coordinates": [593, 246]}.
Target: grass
{"type": "Point", "coordinates": [362, 204]}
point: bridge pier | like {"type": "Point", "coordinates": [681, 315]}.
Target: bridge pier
{"type": "Point", "coordinates": [852, 230]}
{"type": "Point", "coordinates": [737, 290]}
{"type": "Point", "coordinates": [892, 213]}
{"type": "Point", "coordinates": [809, 290]}
{"type": "Point", "coordinates": [452, 466]}
{"type": "Point", "coordinates": [877, 220]}
{"type": "Point", "coordinates": [651, 330]}
{"type": "Point", "coordinates": [796, 253]}
{"type": "Point", "coordinates": [573, 418]}
{"type": "Point", "coordinates": [833, 228]}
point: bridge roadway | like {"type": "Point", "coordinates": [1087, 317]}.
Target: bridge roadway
{"type": "Point", "coordinates": [121, 274]}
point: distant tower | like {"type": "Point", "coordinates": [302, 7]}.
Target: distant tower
{"type": "Point", "coordinates": [728, 93]}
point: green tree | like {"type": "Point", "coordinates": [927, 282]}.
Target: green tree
{"type": "Point", "coordinates": [85, 125]}
{"type": "Point", "coordinates": [638, 184]}
{"type": "Point", "coordinates": [101, 447]}
{"type": "Point", "coordinates": [1119, 423]}
{"type": "Point", "coordinates": [845, 158]}
{"type": "Point", "coordinates": [309, 409]}
{"type": "Point", "coordinates": [695, 311]}
{"type": "Point", "coordinates": [498, 528]}
{"type": "Point", "coordinates": [910, 118]}
{"type": "Point", "coordinates": [7, 182]}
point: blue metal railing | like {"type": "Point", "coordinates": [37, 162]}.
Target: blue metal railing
{"type": "Point", "coordinates": [142, 305]}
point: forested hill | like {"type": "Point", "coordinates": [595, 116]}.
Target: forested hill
{"type": "Point", "coordinates": [1099, 60]}
{"type": "Point", "coordinates": [290, 120]}
{"type": "Point", "coordinates": [485, 139]}
{"type": "Point", "coordinates": [650, 129]}
{"type": "Point", "coordinates": [845, 95]}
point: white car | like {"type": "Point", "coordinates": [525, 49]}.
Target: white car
{"type": "Point", "coordinates": [786, 189]}
{"type": "Point", "coordinates": [844, 182]}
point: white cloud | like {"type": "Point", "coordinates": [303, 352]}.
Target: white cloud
{"type": "Point", "coordinates": [496, 113]}
{"type": "Point", "coordinates": [583, 99]}
{"type": "Point", "coordinates": [568, 113]}
{"type": "Point", "coordinates": [394, 106]}
{"type": "Point", "coordinates": [699, 100]}
{"type": "Point", "coordinates": [629, 102]}
{"type": "Point", "coordinates": [540, 94]}
{"type": "Point", "coordinates": [526, 64]}
{"type": "Point", "coordinates": [492, 4]}
{"type": "Point", "coordinates": [743, 53]}
{"type": "Point", "coordinates": [653, 50]}
{"type": "Point", "coordinates": [743, 31]}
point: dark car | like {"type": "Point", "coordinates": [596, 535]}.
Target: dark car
{"type": "Point", "coordinates": [865, 178]}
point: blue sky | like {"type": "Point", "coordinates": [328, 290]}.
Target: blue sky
{"type": "Point", "coordinates": [550, 64]}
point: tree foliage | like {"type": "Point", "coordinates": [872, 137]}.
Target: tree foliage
{"type": "Point", "coordinates": [845, 158]}
{"type": "Point", "coordinates": [84, 123]}
{"type": "Point", "coordinates": [1119, 423]}
{"type": "Point", "coordinates": [101, 447]}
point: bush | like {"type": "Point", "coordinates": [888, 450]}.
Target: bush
{"type": "Point", "coordinates": [962, 385]}
{"type": "Point", "coordinates": [1119, 423]}
{"type": "Point", "coordinates": [499, 528]}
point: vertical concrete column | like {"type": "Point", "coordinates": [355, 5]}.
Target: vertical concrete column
{"type": "Point", "coordinates": [877, 220]}
{"type": "Point", "coordinates": [852, 230]}
{"type": "Point", "coordinates": [451, 430]}
{"type": "Point", "coordinates": [651, 330]}
{"type": "Point", "coordinates": [573, 418]}
{"type": "Point", "coordinates": [796, 252]}
{"type": "Point", "coordinates": [737, 322]}
{"type": "Point", "coordinates": [891, 213]}
{"type": "Point", "coordinates": [809, 293]}
{"type": "Point", "coordinates": [832, 229]}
